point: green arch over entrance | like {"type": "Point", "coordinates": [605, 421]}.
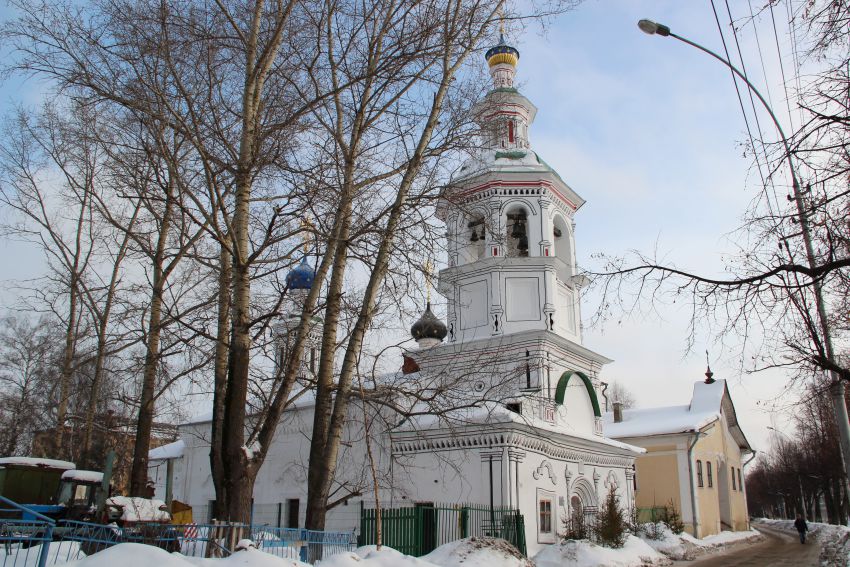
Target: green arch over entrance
{"type": "Point", "coordinates": [562, 389]}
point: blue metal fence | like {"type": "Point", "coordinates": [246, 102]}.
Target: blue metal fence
{"type": "Point", "coordinates": [25, 536]}
{"type": "Point", "coordinates": [306, 545]}
{"type": "Point", "coordinates": [43, 542]}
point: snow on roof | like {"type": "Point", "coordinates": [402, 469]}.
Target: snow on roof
{"type": "Point", "coordinates": [704, 409]}
{"type": "Point", "coordinates": [304, 400]}
{"type": "Point", "coordinates": [494, 412]}
{"type": "Point", "coordinates": [37, 462]}
{"type": "Point", "coordinates": [708, 397]}
{"type": "Point", "coordinates": [657, 421]}
{"type": "Point", "coordinates": [169, 451]}
{"type": "Point", "coordinates": [83, 476]}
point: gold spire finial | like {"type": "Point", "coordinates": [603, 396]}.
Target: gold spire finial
{"type": "Point", "coordinates": [428, 267]}
{"type": "Point", "coordinates": [307, 233]}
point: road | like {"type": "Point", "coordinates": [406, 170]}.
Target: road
{"type": "Point", "coordinates": [780, 549]}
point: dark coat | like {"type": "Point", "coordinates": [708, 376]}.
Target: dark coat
{"type": "Point", "coordinates": [801, 525]}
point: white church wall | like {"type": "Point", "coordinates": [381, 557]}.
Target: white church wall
{"type": "Point", "coordinates": [450, 476]}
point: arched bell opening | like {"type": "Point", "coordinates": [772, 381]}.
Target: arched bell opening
{"type": "Point", "coordinates": [517, 237]}
{"type": "Point", "coordinates": [562, 247]}
{"type": "Point", "coordinates": [471, 237]}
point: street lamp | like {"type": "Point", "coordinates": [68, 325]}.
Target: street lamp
{"type": "Point", "coordinates": [837, 387]}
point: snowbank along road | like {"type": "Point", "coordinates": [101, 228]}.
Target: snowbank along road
{"type": "Point", "coordinates": [780, 549]}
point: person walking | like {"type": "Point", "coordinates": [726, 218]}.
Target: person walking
{"type": "Point", "coordinates": [802, 528]}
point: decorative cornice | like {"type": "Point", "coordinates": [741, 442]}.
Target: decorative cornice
{"type": "Point", "coordinates": [510, 188]}
{"type": "Point", "coordinates": [413, 442]}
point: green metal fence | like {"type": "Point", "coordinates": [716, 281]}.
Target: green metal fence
{"type": "Point", "coordinates": [653, 515]}
{"type": "Point", "coordinates": [417, 530]}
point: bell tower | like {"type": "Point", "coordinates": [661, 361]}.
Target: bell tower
{"type": "Point", "coordinates": [509, 219]}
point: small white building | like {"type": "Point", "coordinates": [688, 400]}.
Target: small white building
{"type": "Point", "coordinates": [515, 419]}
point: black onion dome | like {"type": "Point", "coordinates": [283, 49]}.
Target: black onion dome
{"type": "Point", "coordinates": [429, 326]}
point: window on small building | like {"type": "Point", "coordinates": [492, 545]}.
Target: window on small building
{"type": "Point", "coordinates": [709, 473]}
{"type": "Point", "coordinates": [740, 481]}
{"type": "Point", "coordinates": [699, 473]}
{"type": "Point", "coordinates": [545, 516]}
{"type": "Point", "coordinates": [734, 486]}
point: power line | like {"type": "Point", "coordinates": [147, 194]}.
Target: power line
{"type": "Point", "coordinates": [740, 98]}
{"type": "Point", "coordinates": [758, 122]}
{"type": "Point", "coordinates": [781, 66]}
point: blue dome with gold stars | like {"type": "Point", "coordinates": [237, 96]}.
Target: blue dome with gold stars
{"type": "Point", "coordinates": [302, 276]}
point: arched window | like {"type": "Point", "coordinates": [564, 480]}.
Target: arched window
{"type": "Point", "coordinates": [517, 227]}
{"type": "Point", "coordinates": [699, 474]}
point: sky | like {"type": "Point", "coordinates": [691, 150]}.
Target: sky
{"type": "Point", "coordinates": [648, 130]}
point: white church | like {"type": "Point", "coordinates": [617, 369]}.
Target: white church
{"type": "Point", "coordinates": [522, 426]}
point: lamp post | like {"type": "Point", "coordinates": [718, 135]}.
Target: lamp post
{"type": "Point", "coordinates": [839, 404]}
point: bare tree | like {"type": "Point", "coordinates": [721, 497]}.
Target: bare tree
{"type": "Point", "coordinates": [28, 355]}
{"type": "Point", "coordinates": [49, 176]}
{"type": "Point", "coordinates": [619, 393]}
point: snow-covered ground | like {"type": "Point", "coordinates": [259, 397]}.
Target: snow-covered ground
{"type": "Point", "coordinates": [470, 552]}
{"type": "Point", "coordinates": [685, 546]}
{"type": "Point", "coordinates": [834, 540]}
{"type": "Point", "coordinates": [635, 553]}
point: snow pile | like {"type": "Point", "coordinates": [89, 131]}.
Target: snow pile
{"type": "Point", "coordinates": [140, 555]}
{"type": "Point", "coordinates": [370, 556]}
{"type": "Point", "coordinates": [582, 553]}
{"type": "Point", "coordinates": [834, 540]}
{"type": "Point", "coordinates": [139, 509]}
{"type": "Point", "coordinates": [249, 557]}
{"type": "Point", "coordinates": [675, 546]}
{"type": "Point", "coordinates": [131, 555]}
{"type": "Point", "coordinates": [59, 553]}
{"type": "Point", "coordinates": [726, 538]}
{"type": "Point", "coordinates": [686, 547]}
{"type": "Point", "coordinates": [478, 552]}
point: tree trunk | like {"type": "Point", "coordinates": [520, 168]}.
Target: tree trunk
{"type": "Point", "coordinates": [318, 470]}
{"type": "Point", "coordinates": [89, 460]}
{"type": "Point", "coordinates": [220, 389]}
{"type": "Point", "coordinates": [144, 422]}
{"type": "Point", "coordinates": [236, 455]}
{"type": "Point", "coordinates": [67, 371]}
{"type": "Point", "coordinates": [328, 463]}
